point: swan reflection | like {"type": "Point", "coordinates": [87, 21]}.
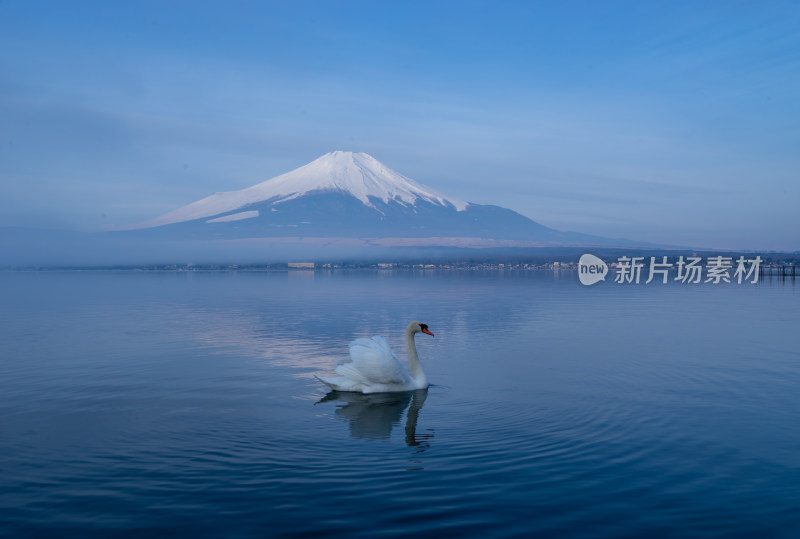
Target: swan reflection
{"type": "Point", "coordinates": [374, 415]}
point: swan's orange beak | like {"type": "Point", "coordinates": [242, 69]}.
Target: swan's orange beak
{"type": "Point", "coordinates": [425, 330]}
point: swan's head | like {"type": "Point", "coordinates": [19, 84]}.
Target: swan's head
{"type": "Point", "coordinates": [418, 327]}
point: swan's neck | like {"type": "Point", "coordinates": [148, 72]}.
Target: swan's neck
{"type": "Point", "coordinates": [413, 362]}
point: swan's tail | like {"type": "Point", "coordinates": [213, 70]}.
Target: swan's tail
{"type": "Point", "coordinates": [328, 382]}
{"type": "Point", "coordinates": [339, 384]}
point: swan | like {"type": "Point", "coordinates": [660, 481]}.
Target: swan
{"type": "Point", "coordinates": [373, 368]}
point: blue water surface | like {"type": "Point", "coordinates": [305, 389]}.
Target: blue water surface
{"type": "Point", "coordinates": [185, 404]}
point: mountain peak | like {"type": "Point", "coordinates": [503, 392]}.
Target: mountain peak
{"type": "Point", "coordinates": [360, 175]}
{"type": "Point", "coordinates": [353, 173]}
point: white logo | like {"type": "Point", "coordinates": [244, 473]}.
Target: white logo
{"type": "Point", "coordinates": [688, 269]}
{"type": "Point", "coordinates": [591, 269]}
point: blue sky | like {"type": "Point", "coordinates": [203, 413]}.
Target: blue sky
{"type": "Point", "coordinates": [673, 122]}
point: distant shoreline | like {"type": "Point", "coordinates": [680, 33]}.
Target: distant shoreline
{"type": "Point", "coordinates": [496, 261]}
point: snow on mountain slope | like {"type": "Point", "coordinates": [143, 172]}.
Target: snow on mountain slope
{"type": "Point", "coordinates": [357, 174]}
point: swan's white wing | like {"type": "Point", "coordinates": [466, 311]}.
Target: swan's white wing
{"type": "Point", "coordinates": [372, 362]}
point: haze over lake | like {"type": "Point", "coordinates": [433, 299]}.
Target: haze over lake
{"type": "Point", "coordinates": [136, 403]}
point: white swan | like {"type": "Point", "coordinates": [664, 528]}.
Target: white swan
{"type": "Point", "coordinates": [373, 368]}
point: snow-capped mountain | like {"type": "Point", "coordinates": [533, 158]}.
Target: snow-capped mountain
{"type": "Point", "coordinates": [347, 195]}
{"type": "Point", "coordinates": [355, 174]}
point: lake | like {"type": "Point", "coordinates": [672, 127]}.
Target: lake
{"type": "Point", "coordinates": [185, 404]}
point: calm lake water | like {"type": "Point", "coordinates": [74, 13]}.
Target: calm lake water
{"type": "Point", "coordinates": [185, 404]}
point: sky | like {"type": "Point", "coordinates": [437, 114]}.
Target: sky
{"type": "Point", "coordinates": [667, 122]}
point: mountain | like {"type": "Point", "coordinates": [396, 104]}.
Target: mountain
{"type": "Point", "coordinates": [351, 195]}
